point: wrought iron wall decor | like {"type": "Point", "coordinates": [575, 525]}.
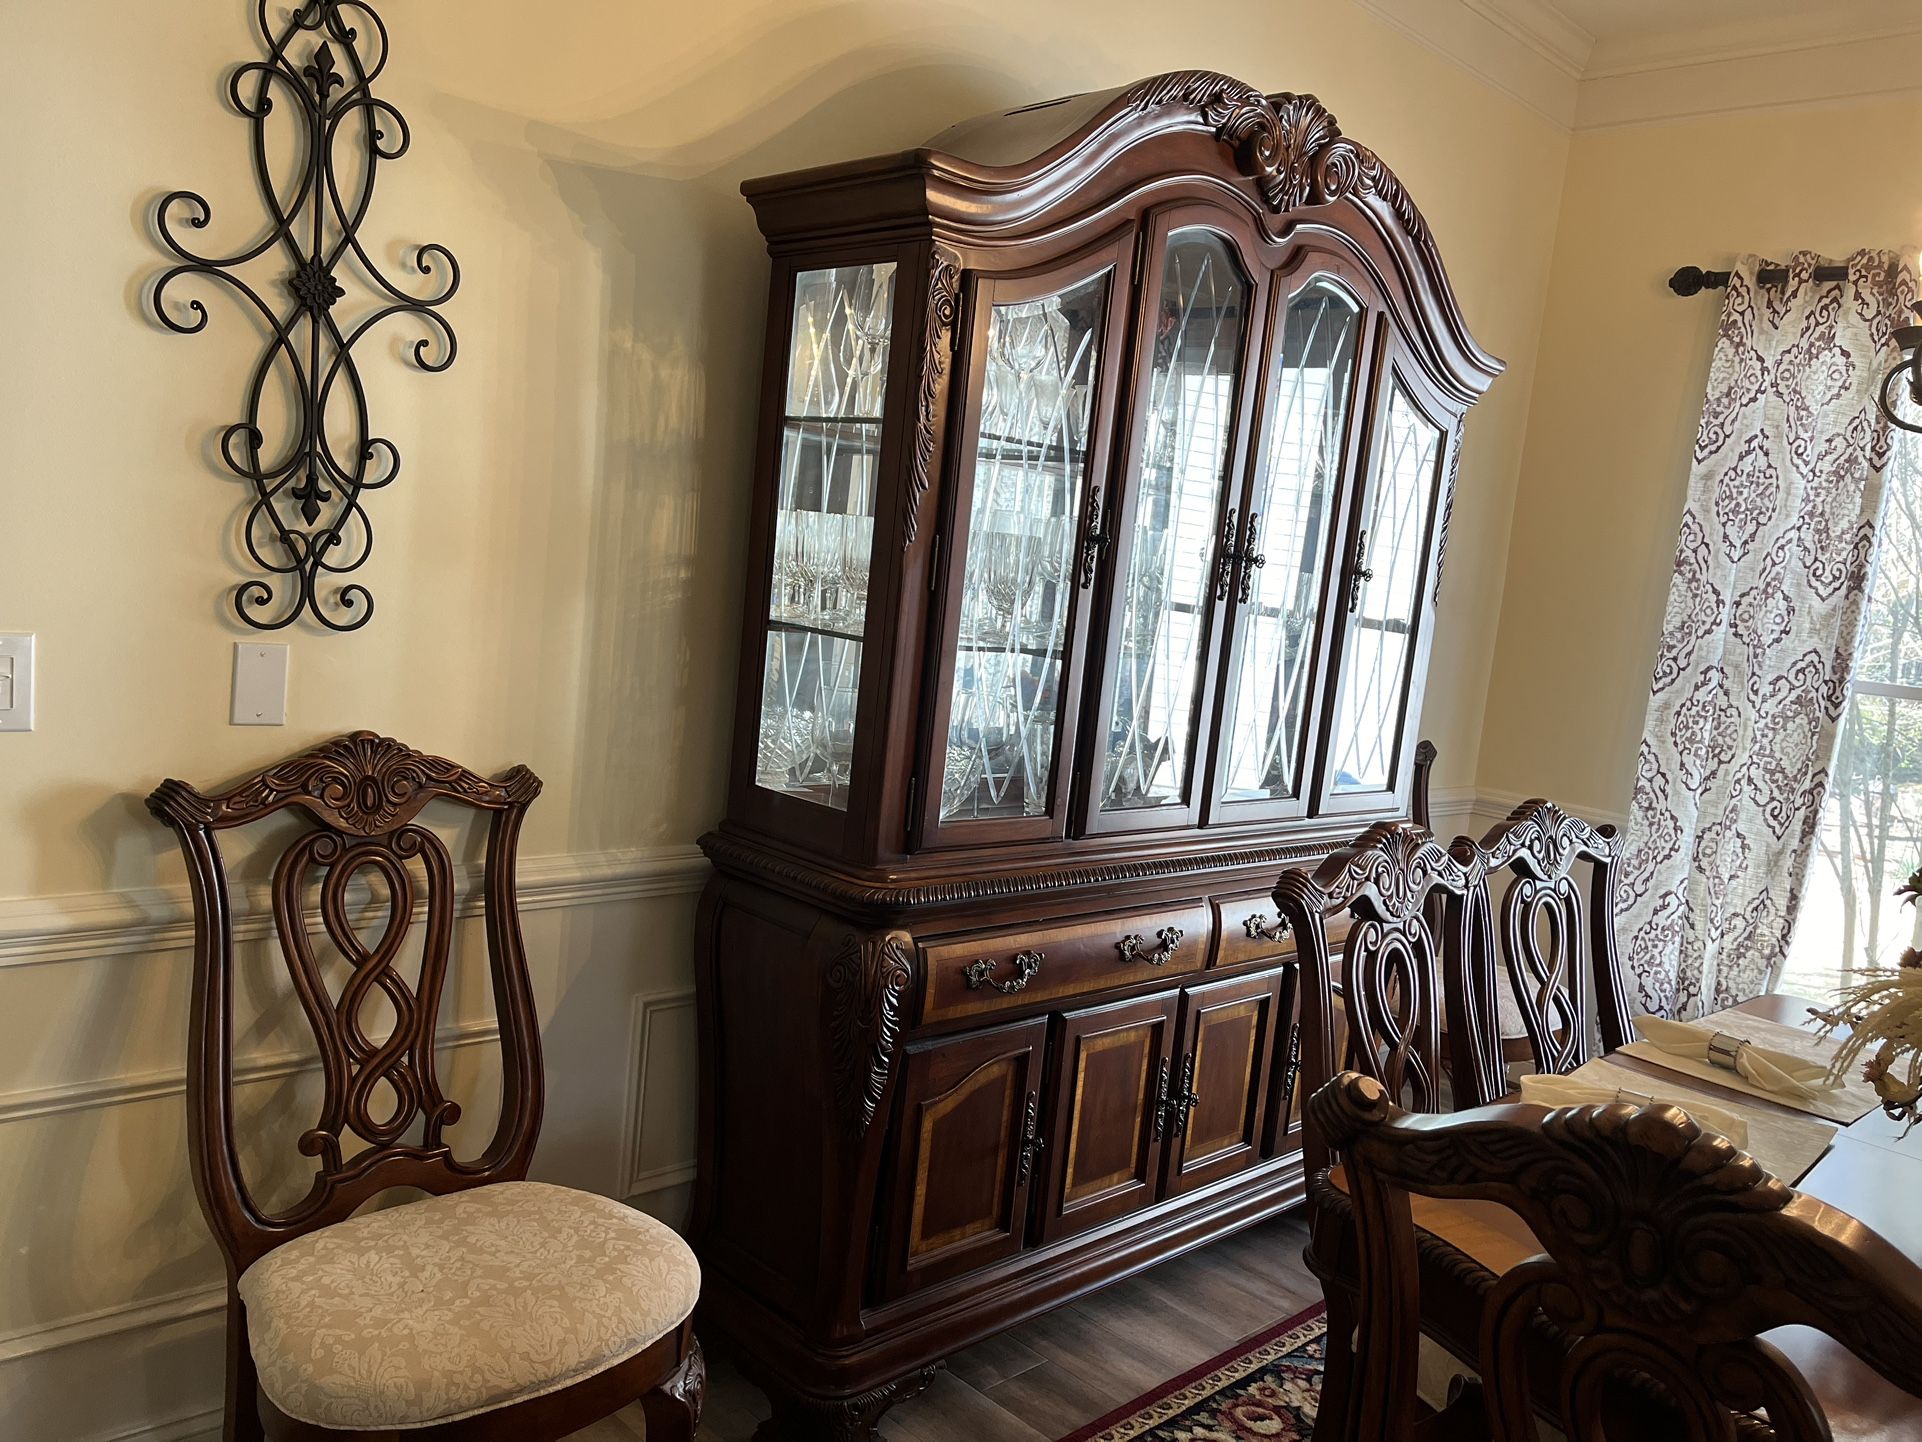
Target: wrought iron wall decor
{"type": "Point", "coordinates": [307, 522]}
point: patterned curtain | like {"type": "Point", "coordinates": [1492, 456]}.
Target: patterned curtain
{"type": "Point", "coordinates": [1773, 563]}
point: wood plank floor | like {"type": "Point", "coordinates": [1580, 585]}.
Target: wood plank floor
{"type": "Point", "coordinates": [1049, 1376]}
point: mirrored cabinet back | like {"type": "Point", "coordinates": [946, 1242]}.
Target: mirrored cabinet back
{"type": "Point", "coordinates": [1105, 461]}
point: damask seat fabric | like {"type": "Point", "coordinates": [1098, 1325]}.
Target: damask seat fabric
{"type": "Point", "coordinates": [462, 1304]}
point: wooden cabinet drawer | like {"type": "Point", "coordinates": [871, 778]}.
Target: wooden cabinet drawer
{"type": "Point", "coordinates": [990, 971]}
{"type": "Point", "coordinates": [1249, 929]}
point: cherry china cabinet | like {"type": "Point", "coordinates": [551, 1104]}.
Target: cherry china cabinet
{"type": "Point", "coordinates": [1105, 461]}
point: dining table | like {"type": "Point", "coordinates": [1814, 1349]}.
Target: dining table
{"type": "Point", "coordinates": [1873, 1171]}
{"type": "Point", "coordinates": [1870, 1169]}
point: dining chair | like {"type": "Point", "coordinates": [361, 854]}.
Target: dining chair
{"type": "Point", "coordinates": [495, 1308]}
{"type": "Point", "coordinates": [1651, 1257]}
{"type": "Point", "coordinates": [1400, 887]}
{"type": "Point", "coordinates": [1556, 947]}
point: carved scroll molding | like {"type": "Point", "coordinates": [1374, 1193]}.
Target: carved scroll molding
{"type": "Point", "coordinates": [867, 988]}
{"type": "Point", "coordinates": [937, 338]}
{"type": "Point", "coordinates": [1290, 145]}
{"type": "Point", "coordinates": [305, 444]}
{"type": "Point", "coordinates": [1447, 514]}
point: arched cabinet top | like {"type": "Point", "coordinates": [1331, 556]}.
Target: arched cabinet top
{"type": "Point", "coordinates": [1082, 162]}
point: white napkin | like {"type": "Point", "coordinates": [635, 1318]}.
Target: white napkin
{"type": "Point", "coordinates": [1766, 1070]}
{"type": "Point", "coordinates": [1561, 1091]}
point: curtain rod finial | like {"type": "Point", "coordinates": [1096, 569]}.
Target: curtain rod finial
{"type": "Point", "coordinates": [1689, 280]}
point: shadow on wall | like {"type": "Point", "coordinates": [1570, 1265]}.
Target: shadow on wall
{"type": "Point", "coordinates": [679, 306]}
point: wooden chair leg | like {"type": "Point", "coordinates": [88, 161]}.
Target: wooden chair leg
{"type": "Point", "coordinates": [1332, 1420]}
{"type": "Point", "coordinates": [242, 1402]}
{"type": "Point", "coordinates": [673, 1409]}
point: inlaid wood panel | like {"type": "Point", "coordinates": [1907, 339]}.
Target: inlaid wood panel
{"type": "Point", "coordinates": [1112, 1075]}
{"type": "Point", "coordinates": [970, 1115]}
{"type": "Point", "coordinates": [1222, 1062]}
{"type": "Point", "coordinates": [1248, 928]}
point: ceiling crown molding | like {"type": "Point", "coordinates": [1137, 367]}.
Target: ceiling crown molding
{"type": "Point", "coordinates": [1526, 49]}
{"type": "Point", "coordinates": [1543, 29]}
{"type": "Point", "coordinates": [1534, 53]}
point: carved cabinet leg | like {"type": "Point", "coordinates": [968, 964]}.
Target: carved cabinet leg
{"type": "Point", "coordinates": [673, 1409]}
{"type": "Point", "coordinates": [847, 1419]}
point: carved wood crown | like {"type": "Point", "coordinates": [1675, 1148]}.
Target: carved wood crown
{"type": "Point", "coordinates": [1541, 840]}
{"type": "Point", "coordinates": [362, 784]}
{"type": "Point", "coordinates": [1388, 873]}
{"type": "Point", "coordinates": [1290, 145]}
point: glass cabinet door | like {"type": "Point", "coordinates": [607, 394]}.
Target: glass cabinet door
{"type": "Point", "coordinates": [824, 530]}
{"type": "Point", "coordinates": [1193, 342]}
{"type": "Point", "coordinates": [1030, 468]}
{"type": "Point", "coordinates": [1387, 572]}
{"type": "Point", "coordinates": [1290, 516]}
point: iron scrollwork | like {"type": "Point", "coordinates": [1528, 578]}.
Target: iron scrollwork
{"type": "Point", "coordinates": [307, 520]}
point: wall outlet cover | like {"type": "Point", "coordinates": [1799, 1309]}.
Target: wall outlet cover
{"type": "Point", "coordinates": [16, 681]}
{"type": "Point", "coordinates": [260, 683]}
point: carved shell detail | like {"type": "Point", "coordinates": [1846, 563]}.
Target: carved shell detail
{"type": "Point", "coordinates": [1290, 145]}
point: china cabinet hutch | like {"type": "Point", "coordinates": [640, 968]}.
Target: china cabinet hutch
{"type": "Point", "coordinates": [1106, 451]}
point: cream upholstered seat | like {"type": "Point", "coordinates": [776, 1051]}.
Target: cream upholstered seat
{"type": "Point", "coordinates": [461, 1304]}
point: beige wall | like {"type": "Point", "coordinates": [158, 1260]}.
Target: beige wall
{"type": "Point", "coordinates": [559, 566]}
{"type": "Point", "coordinates": [1619, 387]}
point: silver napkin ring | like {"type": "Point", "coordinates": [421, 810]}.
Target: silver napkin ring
{"type": "Point", "coordinates": [1725, 1051]}
{"type": "Point", "coordinates": [1634, 1099]}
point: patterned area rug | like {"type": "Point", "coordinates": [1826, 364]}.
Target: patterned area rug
{"type": "Point", "coordinates": [1262, 1389]}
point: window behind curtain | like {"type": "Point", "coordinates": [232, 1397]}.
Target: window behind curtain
{"type": "Point", "coordinates": [1871, 829]}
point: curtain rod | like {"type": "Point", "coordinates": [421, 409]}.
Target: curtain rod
{"type": "Point", "coordinates": [1693, 280]}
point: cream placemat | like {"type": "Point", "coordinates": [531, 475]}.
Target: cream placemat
{"type": "Point", "coordinates": [1786, 1144]}
{"type": "Point", "coordinates": [1847, 1103]}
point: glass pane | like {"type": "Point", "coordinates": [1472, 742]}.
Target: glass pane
{"type": "Point", "coordinates": [1030, 471]}
{"type": "Point", "coordinates": [824, 529]}
{"type": "Point", "coordinates": [1184, 456]}
{"type": "Point", "coordinates": [1870, 838]}
{"type": "Point", "coordinates": [1850, 920]}
{"type": "Point", "coordinates": [1381, 627]}
{"type": "Point", "coordinates": [1294, 500]}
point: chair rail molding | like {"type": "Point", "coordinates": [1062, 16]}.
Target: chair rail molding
{"type": "Point", "coordinates": [38, 930]}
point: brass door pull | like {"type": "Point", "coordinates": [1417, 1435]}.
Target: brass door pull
{"type": "Point", "coordinates": [1181, 1103]}
{"type": "Point", "coordinates": [1027, 964]}
{"type": "Point", "coordinates": [1031, 1140]}
{"type": "Point", "coordinates": [1359, 575]}
{"type": "Point", "coordinates": [1133, 947]}
{"type": "Point", "coordinates": [1161, 1101]}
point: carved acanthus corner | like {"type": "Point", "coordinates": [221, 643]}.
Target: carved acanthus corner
{"type": "Point", "coordinates": [867, 987]}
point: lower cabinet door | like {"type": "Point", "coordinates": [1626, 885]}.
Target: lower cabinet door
{"type": "Point", "coordinates": [1219, 1096]}
{"type": "Point", "coordinates": [970, 1134]}
{"type": "Point", "coordinates": [1105, 1135]}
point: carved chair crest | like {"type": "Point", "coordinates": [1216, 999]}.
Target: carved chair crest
{"type": "Point", "coordinates": [362, 792]}
{"type": "Point", "coordinates": [1552, 937]}
{"type": "Point", "coordinates": [1665, 1253]}
{"type": "Point", "coordinates": [1390, 985]}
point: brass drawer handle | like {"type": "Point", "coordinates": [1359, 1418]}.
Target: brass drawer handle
{"type": "Point", "coordinates": [1260, 928]}
{"type": "Point", "coordinates": [1133, 946]}
{"type": "Point", "coordinates": [1026, 965]}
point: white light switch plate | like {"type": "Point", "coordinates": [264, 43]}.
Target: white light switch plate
{"type": "Point", "coordinates": [260, 683]}
{"type": "Point", "coordinates": [16, 681]}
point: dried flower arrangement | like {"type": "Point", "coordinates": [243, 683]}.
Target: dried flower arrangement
{"type": "Point", "coordinates": [1885, 1012]}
